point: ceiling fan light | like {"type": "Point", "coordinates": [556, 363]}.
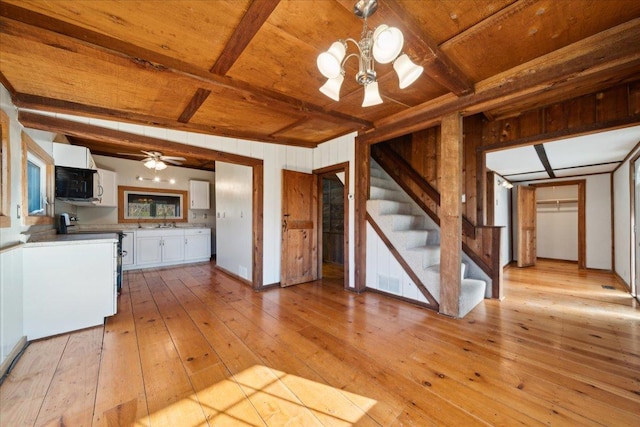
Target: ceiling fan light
{"type": "Point", "coordinates": [330, 62]}
{"type": "Point", "coordinates": [160, 165]}
{"type": "Point", "coordinates": [332, 87]}
{"type": "Point", "coordinates": [371, 95]}
{"type": "Point", "coordinates": [387, 43]}
{"type": "Point", "coordinates": [407, 71]}
{"type": "Point", "coordinates": [151, 164]}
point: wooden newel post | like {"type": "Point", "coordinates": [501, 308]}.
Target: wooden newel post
{"type": "Point", "coordinates": [450, 214]}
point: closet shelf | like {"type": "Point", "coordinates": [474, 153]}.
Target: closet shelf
{"type": "Point", "coordinates": [556, 201]}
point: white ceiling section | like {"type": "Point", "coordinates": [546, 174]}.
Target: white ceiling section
{"type": "Point", "coordinates": [583, 155]}
{"type": "Point", "coordinates": [514, 161]}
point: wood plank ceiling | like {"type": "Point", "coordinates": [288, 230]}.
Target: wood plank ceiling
{"type": "Point", "coordinates": [248, 69]}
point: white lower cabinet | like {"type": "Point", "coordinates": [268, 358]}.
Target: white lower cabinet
{"type": "Point", "coordinates": [173, 246]}
{"type": "Point", "coordinates": [160, 247]}
{"type": "Point", "coordinates": [197, 244]}
{"type": "Point", "coordinates": [155, 247]}
{"type": "Point", "coordinates": [67, 286]}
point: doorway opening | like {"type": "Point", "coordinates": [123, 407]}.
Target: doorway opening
{"type": "Point", "coordinates": [560, 223]}
{"type": "Point", "coordinates": [333, 203]}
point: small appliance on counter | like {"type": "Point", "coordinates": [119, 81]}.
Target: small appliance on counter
{"type": "Point", "coordinates": [64, 222]}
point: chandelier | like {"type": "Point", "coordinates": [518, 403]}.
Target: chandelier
{"type": "Point", "coordinates": [382, 44]}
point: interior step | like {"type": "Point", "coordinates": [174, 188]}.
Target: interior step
{"type": "Point", "coordinates": [430, 255]}
{"type": "Point", "coordinates": [381, 193]}
{"type": "Point", "coordinates": [382, 183]}
{"type": "Point", "coordinates": [409, 239]}
{"type": "Point", "coordinates": [407, 222]}
{"type": "Point", "coordinates": [387, 207]}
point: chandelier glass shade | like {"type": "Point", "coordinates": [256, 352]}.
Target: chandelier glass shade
{"type": "Point", "coordinates": [383, 45]}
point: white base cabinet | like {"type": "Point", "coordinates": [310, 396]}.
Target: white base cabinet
{"type": "Point", "coordinates": [68, 286]}
{"type": "Point", "coordinates": [162, 247]}
{"type": "Point", "coordinates": [197, 244]}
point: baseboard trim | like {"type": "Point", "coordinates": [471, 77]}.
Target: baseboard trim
{"type": "Point", "coordinates": [233, 275]}
{"type": "Point", "coordinates": [13, 356]}
{"type": "Point", "coordinates": [622, 281]}
{"type": "Point", "coordinates": [401, 298]}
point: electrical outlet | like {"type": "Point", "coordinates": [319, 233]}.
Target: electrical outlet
{"type": "Point", "coordinates": [193, 215]}
{"type": "Point", "coordinates": [204, 216]}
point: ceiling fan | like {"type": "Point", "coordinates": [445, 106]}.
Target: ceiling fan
{"type": "Point", "coordinates": [155, 160]}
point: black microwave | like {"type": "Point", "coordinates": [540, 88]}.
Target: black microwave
{"type": "Point", "coordinates": [74, 183]}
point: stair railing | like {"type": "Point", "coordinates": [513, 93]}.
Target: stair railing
{"type": "Point", "coordinates": [480, 243]}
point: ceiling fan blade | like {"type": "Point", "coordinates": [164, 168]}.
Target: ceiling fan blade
{"type": "Point", "coordinates": [151, 153]}
{"type": "Point", "coordinates": [173, 162]}
{"type": "Point", "coordinates": [172, 158]}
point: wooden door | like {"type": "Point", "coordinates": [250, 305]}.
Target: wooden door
{"type": "Point", "coordinates": [299, 235]}
{"type": "Point", "coordinates": [526, 226]}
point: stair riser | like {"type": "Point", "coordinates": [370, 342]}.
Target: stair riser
{"type": "Point", "coordinates": [388, 207]}
{"type": "Point", "coordinates": [383, 183]}
{"type": "Point", "coordinates": [407, 222]}
{"type": "Point", "coordinates": [378, 193]}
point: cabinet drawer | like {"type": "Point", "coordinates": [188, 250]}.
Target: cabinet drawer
{"type": "Point", "coordinates": [197, 231]}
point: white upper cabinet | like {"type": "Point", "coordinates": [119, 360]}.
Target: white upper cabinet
{"type": "Point", "coordinates": [199, 194]}
{"type": "Point", "coordinates": [72, 156]}
{"type": "Point", "coordinates": [105, 188]}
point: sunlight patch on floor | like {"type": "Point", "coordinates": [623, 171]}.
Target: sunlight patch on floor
{"type": "Point", "coordinates": [275, 397]}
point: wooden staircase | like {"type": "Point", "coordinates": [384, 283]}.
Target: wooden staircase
{"type": "Point", "coordinates": [414, 239]}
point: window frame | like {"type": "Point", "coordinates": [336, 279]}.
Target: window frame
{"type": "Point", "coordinates": [30, 146]}
{"type": "Point", "coordinates": [5, 171]}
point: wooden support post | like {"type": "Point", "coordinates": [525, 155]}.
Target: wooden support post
{"type": "Point", "coordinates": [362, 163]}
{"type": "Point", "coordinates": [450, 214]}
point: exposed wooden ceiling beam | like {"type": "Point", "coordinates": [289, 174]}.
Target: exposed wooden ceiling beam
{"type": "Point", "coordinates": [198, 99]}
{"type": "Point", "coordinates": [610, 49]}
{"type": "Point", "coordinates": [56, 105]}
{"type": "Point", "coordinates": [40, 28]}
{"type": "Point", "coordinates": [436, 64]}
{"type": "Point", "coordinates": [127, 140]}
{"type": "Point", "coordinates": [255, 16]}
{"type": "Point", "coordinates": [542, 155]}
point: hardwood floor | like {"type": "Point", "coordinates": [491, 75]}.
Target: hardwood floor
{"type": "Point", "coordinates": [192, 347]}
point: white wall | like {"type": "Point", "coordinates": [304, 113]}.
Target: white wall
{"type": "Point", "coordinates": [502, 212]}
{"type": "Point", "coordinates": [234, 189]}
{"type": "Point", "coordinates": [11, 299]}
{"type": "Point", "coordinates": [622, 221]}
{"type": "Point", "coordinates": [385, 273]}
{"type": "Point", "coordinates": [598, 219]}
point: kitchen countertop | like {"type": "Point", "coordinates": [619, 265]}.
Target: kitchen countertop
{"type": "Point", "coordinates": [74, 239]}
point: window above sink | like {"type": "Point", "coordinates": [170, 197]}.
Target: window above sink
{"type": "Point", "coordinates": [144, 206]}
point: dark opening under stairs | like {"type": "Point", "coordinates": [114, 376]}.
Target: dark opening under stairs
{"type": "Point", "coordinates": [403, 249]}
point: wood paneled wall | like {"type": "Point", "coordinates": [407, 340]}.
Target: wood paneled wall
{"type": "Point", "coordinates": [615, 107]}
{"type": "Point", "coordinates": [421, 150]}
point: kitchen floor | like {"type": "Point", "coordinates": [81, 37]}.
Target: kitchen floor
{"type": "Point", "coordinates": [191, 346]}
